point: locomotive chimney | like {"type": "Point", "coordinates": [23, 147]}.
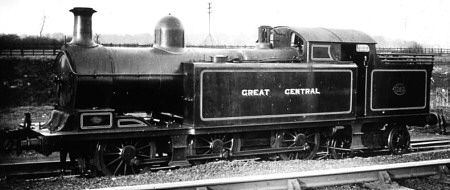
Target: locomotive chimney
{"type": "Point", "coordinates": [82, 30]}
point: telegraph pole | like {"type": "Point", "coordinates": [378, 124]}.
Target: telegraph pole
{"type": "Point", "coordinates": [209, 26]}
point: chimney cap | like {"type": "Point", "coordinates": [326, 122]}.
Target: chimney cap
{"type": "Point", "coordinates": [84, 11]}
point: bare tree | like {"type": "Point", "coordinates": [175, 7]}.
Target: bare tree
{"type": "Point", "coordinates": [42, 26]}
{"type": "Point", "coordinates": [416, 47]}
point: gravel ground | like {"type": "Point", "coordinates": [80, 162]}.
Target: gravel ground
{"type": "Point", "coordinates": [222, 169]}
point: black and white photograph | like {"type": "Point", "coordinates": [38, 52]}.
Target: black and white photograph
{"type": "Point", "coordinates": [237, 94]}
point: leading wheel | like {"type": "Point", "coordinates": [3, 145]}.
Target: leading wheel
{"type": "Point", "coordinates": [306, 140]}
{"type": "Point", "coordinates": [399, 140]}
{"type": "Point", "coordinates": [123, 157]}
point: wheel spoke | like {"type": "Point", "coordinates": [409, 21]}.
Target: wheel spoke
{"type": "Point", "coordinates": [205, 140]}
{"type": "Point", "coordinates": [115, 160]}
{"type": "Point", "coordinates": [132, 169]}
{"type": "Point", "coordinates": [146, 146]}
{"type": "Point", "coordinates": [137, 143]}
{"type": "Point", "coordinates": [144, 156]}
{"type": "Point", "coordinates": [292, 145]}
{"type": "Point", "coordinates": [291, 135]}
{"type": "Point", "coordinates": [118, 167]}
{"type": "Point", "coordinates": [228, 142]}
{"type": "Point", "coordinates": [125, 168]}
{"type": "Point", "coordinates": [112, 154]}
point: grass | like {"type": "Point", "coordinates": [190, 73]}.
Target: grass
{"type": "Point", "coordinates": [11, 118]}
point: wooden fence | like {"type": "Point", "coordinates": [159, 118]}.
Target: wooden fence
{"type": "Point", "coordinates": [441, 97]}
{"type": "Point", "coordinates": [29, 52]}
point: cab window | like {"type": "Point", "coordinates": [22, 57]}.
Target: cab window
{"type": "Point", "coordinates": [297, 42]}
{"type": "Point", "coordinates": [321, 52]}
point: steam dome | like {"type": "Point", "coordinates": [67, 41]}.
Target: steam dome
{"type": "Point", "coordinates": [169, 33]}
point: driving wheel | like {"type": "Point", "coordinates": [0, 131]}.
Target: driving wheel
{"type": "Point", "coordinates": [123, 157]}
{"type": "Point", "coordinates": [306, 140]}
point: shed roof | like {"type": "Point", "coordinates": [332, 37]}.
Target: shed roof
{"type": "Point", "coordinates": [333, 35]}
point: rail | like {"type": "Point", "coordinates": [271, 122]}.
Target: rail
{"type": "Point", "coordinates": [430, 144]}
{"type": "Point", "coordinates": [383, 174]}
{"type": "Point", "coordinates": [35, 169]}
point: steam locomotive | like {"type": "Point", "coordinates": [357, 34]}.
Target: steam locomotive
{"type": "Point", "coordinates": [125, 110]}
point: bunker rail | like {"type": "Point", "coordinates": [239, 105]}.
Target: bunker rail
{"type": "Point", "coordinates": [406, 58]}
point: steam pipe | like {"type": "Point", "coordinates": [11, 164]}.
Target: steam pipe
{"type": "Point", "coordinates": [264, 37]}
{"type": "Point", "coordinates": [82, 30]}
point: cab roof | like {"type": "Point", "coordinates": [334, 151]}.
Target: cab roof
{"type": "Point", "coordinates": [331, 35]}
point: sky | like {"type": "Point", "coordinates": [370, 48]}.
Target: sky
{"type": "Point", "coordinates": [424, 21]}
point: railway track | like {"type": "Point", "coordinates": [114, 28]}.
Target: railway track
{"type": "Point", "coordinates": [36, 169]}
{"type": "Point", "coordinates": [428, 144]}
{"type": "Point", "coordinates": [380, 176]}
{"type": "Point", "coordinates": [46, 168]}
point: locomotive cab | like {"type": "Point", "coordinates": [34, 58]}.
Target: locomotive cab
{"type": "Point", "coordinates": [324, 45]}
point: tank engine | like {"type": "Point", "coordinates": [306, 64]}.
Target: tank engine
{"type": "Point", "coordinates": [122, 110]}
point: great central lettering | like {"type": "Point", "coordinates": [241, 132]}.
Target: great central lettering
{"type": "Point", "coordinates": [255, 92]}
{"type": "Point", "coordinates": [301, 91]}
{"type": "Point", "coordinates": [289, 91]}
